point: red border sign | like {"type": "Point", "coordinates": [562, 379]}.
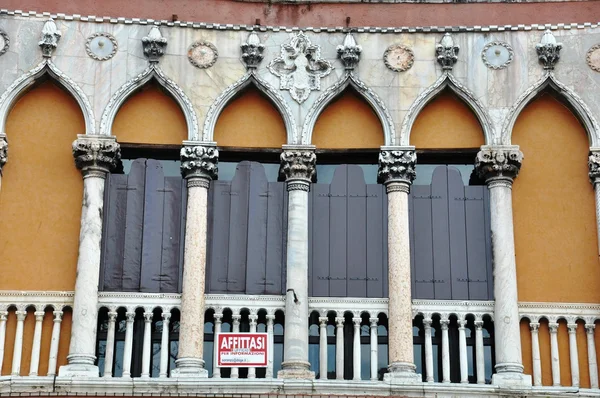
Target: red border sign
{"type": "Point", "coordinates": [241, 350]}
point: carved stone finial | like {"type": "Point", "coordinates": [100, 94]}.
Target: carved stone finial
{"type": "Point", "coordinates": [349, 52]}
{"type": "Point", "coordinates": [593, 165]}
{"type": "Point", "coordinates": [199, 163]}
{"type": "Point", "coordinates": [3, 152]}
{"type": "Point", "coordinates": [548, 50]}
{"type": "Point", "coordinates": [252, 51]}
{"type": "Point", "coordinates": [447, 52]}
{"type": "Point", "coordinates": [397, 165]}
{"type": "Point", "coordinates": [49, 39]}
{"type": "Point", "coordinates": [298, 167]}
{"type": "Point", "coordinates": [154, 45]}
{"type": "Point", "coordinates": [95, 156]}
{"type": "Point", "coordinates": [498, 162]}
{"type": "Point", "coordinates": [300, 67]}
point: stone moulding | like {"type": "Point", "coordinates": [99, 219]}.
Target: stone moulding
{"type": "Point", "coordinates": [153, 71]}
{"type": "Point", "coordinates": [223, 99]}
{"type": "Point", "coordinates": [23, 83]}
{"type": "Point", "coordinates": [549, 80]}
{"type": "Point", "coordinates": [376, 103]}
{"type": "Point", "coordinates": [447, 80]}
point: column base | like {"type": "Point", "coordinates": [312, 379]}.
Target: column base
{"type": "Point", "coordinates": [402, 373]}
{"type": "Point", "coordinates": [80, 365]}
{"type": "Point", "coordinates": [512, 380]}
{"type": "Point", "coordinates": [189, 367]}
{"type": "Point", "coordinates": [295, 370]}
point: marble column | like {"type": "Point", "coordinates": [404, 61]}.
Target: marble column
{"type": "Point", "coordinates": [397, 172]}
{"type": "Point", "coordinates": [594, 173]}
{"type": "Point", "coordinates": [535, 354]}
{"type": "Point", "coordinates": [198, 167]}
{"type": "Point", "coordinates": [591, 349]}
{"type": "Point", "coordinates": [298, 170]}
{"type": "Point", "coordinates": [3, 155]}
{"type": "Point", "coordinates": [95, 156]}
{"type": "Point", "coordinates": [498, 166]}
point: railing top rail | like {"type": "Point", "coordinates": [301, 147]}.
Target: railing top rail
{"type": "Point", "coordinates": [40, 300]}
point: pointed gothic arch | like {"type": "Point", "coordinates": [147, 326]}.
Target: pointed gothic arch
{"type": "Point", "coordinates": [130, 87]}
{"type": "Point", "coordinates": [446, 81]}
{"type": "Point", "coordinates": [26, 81]}
{"type": "Point", "coordinates": [549, 81]}
{"type": "Point", "coordinates": [350, 79]}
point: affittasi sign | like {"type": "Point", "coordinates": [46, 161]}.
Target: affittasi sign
{"type": "Point", "coordinates": [241, 350]}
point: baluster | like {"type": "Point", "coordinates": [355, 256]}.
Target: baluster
{"type": "Point", "coordinates": [3, 316]}
{"type": "Point", "coordinates": [18, 349]}
{"type": "Point", "coordinates": [235, 372]}
{"type": "Point", "coordinates": [444, 322]}
{"type": "Point", "coordinates": [218, 322]}
{"type": "Point", "coordinates": [37, 343]}
{"type": "Point", "coordinates": [356, 360]}
{"type": "Point", "coordinates": [553, 326]}
{"type": "Point", "coordinates": [462, 342]}
{"type": "Point", "coordinates": [54, 340]}
{"type": "Point", "coordinates": [479, 355]}
{"type": "Point", "coordinates": [428, 350]}
{"type": "Point", "coordinates": [591, 349]}
{"type": "Point", "coordinates": [374, 349]}
{"type": "Point", "coordinates": [573, 356]}
{"type": "Point", "coordinates": [128, 344]}
{"type": "Point", "coordinates": [147, 344]}
{"type": "Point", "coordinates": [252, 318]}
{"type": "Point", "coordinates": [339, 348]}
{"type": "Point", "coordinates": [271, 343]}
{"type": "Point", "coordinates": [323, 347]}
{"type": "Point", "coordinates": [164, 344]}
{"type": "Point", "coordinates": [535, 354]}
{"type": "Point", "coordinates": [110, 344]}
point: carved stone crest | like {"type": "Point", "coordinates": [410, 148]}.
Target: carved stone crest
{"type": "Point", "coordinates": [498, 162]}
{"type": "Point", "coordinates": [252, 51]}
{"type": "Point", "coordinates": [154, 45]}
{"type": "Point", "coordinates": [300, 67]}
{"type": "Point", "coordinates": [199, 161]}
{"type": "Point", "coordinates": [548, 50]}
{"type": "Point", "coordinates": [593, 58]}
{"type": "Point", "coordinates": [397, 165]}
{"type": "Point", "coordinates": [203, 54]}
{"type": "Point", "coordinates": [49, 39]}
{"type": "Point", "coordinates": [349, 52]}
{"type": "Point", "coordinates": [4, 42]}
{"type": "Point", "coordinates": [398, 58]}
{"type": "Point", "coordinates": [447, 52]}
{"type": "Point", "coordinates": [101, 46]}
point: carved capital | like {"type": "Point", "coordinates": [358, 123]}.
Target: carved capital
{"type": "Point", "coordinates": [96, 155]}
{"type": "Point", "coordinates": [3, 151]}
{"type": "Point", "coordinates": [49, 39]}
{"type": "Point", "coordinates": [553, 326]}
{"type": "Point", "coordinates": [252, 51]}
{"type": "Point", "coordinates": [323, 321]}
{"type": "Point", "coordinates": [548, 50]}
{"type": "Point", "coordinates": [534, 326]}
{"type": "Point", "coordinates": [200, 163]}
{"type": "Point", "coordinates": [397, 165]}
{"type": "Point", "coordinates": [444, 323]}
{"type": "Point", "coordinates": [339, 322]}
{"type": "Point", "coordinates": [298, 166]}
{"type": "Point", "coordinates": [112, 316]}
{"type": "Point", "coordinates": [148, 317]}
{"type": "Point", "coordinates": [593, 164]}
{"type": "Point", "coordinates": [498, 162]}
{"type": "Point", "coordinates": [447, 52]}
{"type": "Point", "coordinates": [349, 52]}
{"type": "Point", "coordinates": [154, 45]}
{"type": "Point", "coordinates": [589, 328]}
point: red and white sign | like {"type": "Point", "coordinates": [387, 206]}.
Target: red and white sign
{"type": "Point", "coordinates": [235, 350]}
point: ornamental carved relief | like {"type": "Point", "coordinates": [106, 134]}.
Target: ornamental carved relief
{"type": "Point", "coordinates": [300, 67]}
{"type": "Point", "coordinates": [252, 51]}
{"type": "Point", "coordinates": [298, 164]}
{"type": "Point", "coordinates": [593, 58]}
{"type": "Point", "coordinates": [4, 42]}
{"type": "Point", "coordinates": [497, 55]}
{"type": "Point", "coordinates": [594, 166]}
{"type": "Point", "coordinates": [498, 162]}
{"type": "Point", "coordinates": [203, 54]}
{"type": "Point", "coordinates": [49, 39]}
{"type": "Point", "coordinates": [398, 58]}
{"type": "Point", "coordinates": [199, 161]}
{"type": "Point", "coordinates": [548, 50]}
{"type": "Point", "coordinates": [99, 155]}
{"type": "Point", "coordinates": [349, 52]}
{"type": "Point", "coordinates": [447, 52]}
{"type": "Point", "coordinates": [154, 45]}
{"type": "Point", "coordinates": [397, 165]}
{"type": "Point", "coordinates": [101, 46]}
{"type": "Point", "coordinates": [3, 152]}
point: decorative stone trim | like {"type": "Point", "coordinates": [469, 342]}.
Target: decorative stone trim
{"type": "Point", "coordinates": [548, 50]}
{"type": "Point", "coordinates": [154, 45]}
{"type": "Point", "coordinates": [5, 40]}
{"type": "Point", "coordinates": [397, 165]}
{"type": "Point", "coordinates": [198, 182]}
{"type": "Point", "coordinates": [486, 60]}
{"type": "Point", "coordinates": [199, 161]}
{"type": "Point", "coordinates": [298, 164]}
{"type": "Point", "coordinates": [90, 50]}
{"type": "Point", "coordinates": [592, 58]}
{"type": "Point", "coordinates": [49, 39]}
{"type": "Point", "coordinates": [3, 152]}
{"type": "Point", "coordinates": [498, 162]}
{"type": "Point", "coordinates": [96, 155]}
{"type": "Point", "coordinates": [398, 58]}
{"type": "Point", "coordinates": [349, 52]}
{"type": "Point", "coordinates": [447, 52]}
{"type": "Point", "coordinates": [594, 165]}
{"type": "Point", "coordinates": [252, 51]}
{"type": "Point", "coordinates": [202, 54]}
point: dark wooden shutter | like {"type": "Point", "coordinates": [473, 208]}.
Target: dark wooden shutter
{"type": "Point", "coordinates": [423, 242]}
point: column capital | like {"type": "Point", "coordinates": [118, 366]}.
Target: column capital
{"type": "Point", "coordinates": [397, 167]}
{"type": "Point", "coordinates": [3, 151]}
{"type": "Point", "coordinates": [589, 327]}
{"type": "Point", "coordinates": [572, 327]}
{"type": "Point", "coordinates": [112, 316]}
{"type": "Point", "coordinates": [444, 323]}
{"type": "Point", "coordinates": [323, 321]}
{"type": "Point", "coordinates": [593, 164]}
{"type": "Point", "coordinates": [553, 326]}
{"type": "Point", "coordinates": [534, 326]}
{"type": "Point", "coordinates": [498, 162]}
{"type": "Point", "coordinates": [298, 166]}
{"type": "Point", "coordinates": [199, 163]}
{"type": "Point", "coordinates": [96, 155]}
{"type": "Point", "coordinates": [39, 315]}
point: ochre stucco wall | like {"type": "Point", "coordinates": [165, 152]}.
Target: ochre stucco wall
{"type": "Point", "coordinates": [446, 122]}
{"type": "Point", "coordinates": [150, 116]}
{"type": "Point", "coordinates": [251, 121]}
{"type": "Point", "coordinates": [348, 122]}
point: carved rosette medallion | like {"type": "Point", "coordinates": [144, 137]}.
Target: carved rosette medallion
{"type": "Point", "coordinates": [4, 42]}
{"type": "Point", "coordinates": [398, 58]}
{"type": "Point", "coordinates": [3, 152]}
{"type": "Point", "coordinates": [497, 55]}
{"type": "Point", "coordinates": [397, 166]}
{"type": "Point", "coordinates": [498, 162]}
{"type": "Point", "coordinates": [101, 46]}
{"type": "Point", "coordinates": [203, 54]}
{"type": "Point", "coordinates": [96, 156]}
{"type": "Point", "coordinates": [593, 58]}
{"type": "Point", "coordinates": [548, 50]}
{"type": "Point", "coordinates": [300, 67]}
{"type": "Point", "coordinates": [298, 168]}
{"type": "Point", "coordinates": [49, 39]}
{"type": "Point", "coordinates": [594, 166]}
{"type": "Point", "coordinates": [199, 163]}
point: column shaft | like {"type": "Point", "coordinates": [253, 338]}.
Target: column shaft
{"type": "Point", "coordinates": [554, 353]}
{"type": "Point", "coordinates": [323, 348]}
{"type": "Point", "coordinates": [374, 349]}
{"type": "Point", "coordinates": [573, 355]}
{"type": "Point", "coordinates": [592, 360]}
{"type": "Point", "coordinates": [356, 354]}
{"type": "Point", "coordinates": [535, 354]}
{"type": "Point", "coordinates": [110, 344]}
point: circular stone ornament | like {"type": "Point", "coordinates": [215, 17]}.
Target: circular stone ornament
{"type": "Point", "coordinates": [398, 58]}
{"type": "Point", "coordinates": [101, 46]}
{"type": "Point", "coordinates": [593, 58]}
{"type": "Point", "coordinates": [4, 42]}
{"type": "Point", "coordinates": [497, 55]}
{"type": "Point", "coordinates": [203, 54]}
